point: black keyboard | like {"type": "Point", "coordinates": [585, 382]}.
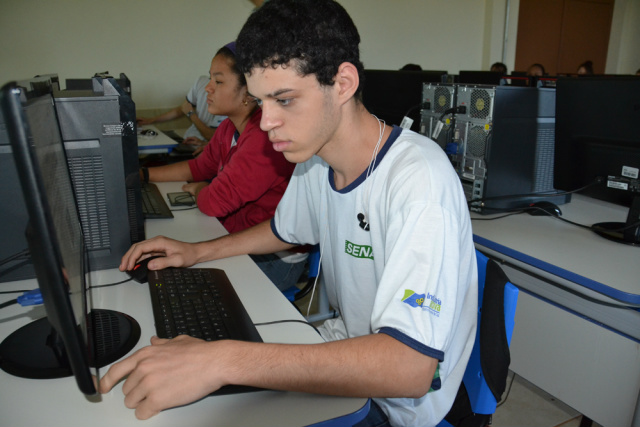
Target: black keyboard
{"type": "Point", "coordinates": [153, 204]}
{"type": "Point", "coordinates": [199, 302]}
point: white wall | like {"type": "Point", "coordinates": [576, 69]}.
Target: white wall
{"type": "Point", "coordinates": [163, 45]}
{"type": "Point", "coordinates": [623, 56]}
{"type": "Point", "coordinates": [435, 34]}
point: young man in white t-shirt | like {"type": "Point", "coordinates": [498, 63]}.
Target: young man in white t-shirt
{"type": "Point", "coordinates": [389, 214]}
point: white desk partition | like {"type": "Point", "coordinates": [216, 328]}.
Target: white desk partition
{"type": "Point", "coordinates": [577, 325]}
{"type": "Point", "coordinates": [58, 402]}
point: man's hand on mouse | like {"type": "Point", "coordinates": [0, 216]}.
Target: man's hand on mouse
{"type": "Point", "coordinates": [172, 254]}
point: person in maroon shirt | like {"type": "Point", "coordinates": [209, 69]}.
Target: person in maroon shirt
{"type": "Point", "coordinates": [239, 178]}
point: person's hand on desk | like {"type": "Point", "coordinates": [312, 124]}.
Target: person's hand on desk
{"type": "Point", "coordinates": [173, 253]}
{"type": "Point", "coordinates": [194, 188]}
{"type": "Point", "coordinates": [159, 378]}
{"type": "Point", "coordinates": [192, 140]}
{"type": "Point", "coordinates": [144, 121]}
{"type": "Point", "coordinates": [175, 372]}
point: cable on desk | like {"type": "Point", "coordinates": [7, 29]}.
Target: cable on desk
{"type": "Point", "coordinates": [617, 230]}
{"type": "Point", "coordinates": [32, 297]}
{"type": "Point", "coordinates": [597, 181]}
{"type": "Point", "coordinates": [185, 200]}
{"type": "Point", "coordinates": [23, 254]}
{"type": "Point", "coordinates": [275, 322]}
{"type": "Point", "coordinates": [500, 217]}
{"type": "Point", "coordinates": [111, 284]}
{"type": "Point", "coordinates": [510, 212]}
{"type": "Point", "coordinates": [17, 291]}
{"type": "Point", "coordinates": [8, 303]}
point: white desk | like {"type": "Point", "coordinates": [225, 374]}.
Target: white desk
{"type": "Point", "coordinates": [577, 326]}
{"type": "Point", "coordinates": [58, 402]}
{"type": "Point", "coordinates": [156, 144]}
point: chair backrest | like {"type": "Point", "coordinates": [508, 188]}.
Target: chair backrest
{"type": "Point", "coordinates": [485, 378]}
{"type": "Point", "coordinates": [314, 270]}
{"type": "Point", "coordinates": [313, 262]}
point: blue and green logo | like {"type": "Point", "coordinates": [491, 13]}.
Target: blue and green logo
{"type": "Point", "coordinates": [427, 302]}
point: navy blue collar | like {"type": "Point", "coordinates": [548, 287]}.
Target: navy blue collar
{"type": "Point", "coordinates": [395, 132]}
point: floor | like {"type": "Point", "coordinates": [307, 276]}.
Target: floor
{"type": "Point", "coordinates": [524, 405]}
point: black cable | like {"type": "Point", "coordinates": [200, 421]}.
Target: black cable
{"type": "Point", "coordinates": [517, 211]}
{"type": "Point", "coordinates": [17, 291]}
{"type": "Point", "coordinates": [111, 284]}
{"type": "Point", "coordinates": [597, 181]}
{"type": "Point", "coordinates": [506, 396]}
{"type": "Point", "coordinates": [288, 321]}
{"type": "Point", "coordinates": [447, 112]}
{"type": "Point", "coordinates": [186, 200]}
{"type": "Point", "coordinates": [415, 107]}
{"type": "Point", "coordinates": [8, 303]}
{"type": "Point", "coordinates": [499, 217]}
{"type": "Point", "coordinates": [593, 227]}
{"type": "Point", "coordinates": [460, 109]}
{"type": "Point", "coordinates": [617, 230]}
{"type": "Point", "coordinates": [23, 254]}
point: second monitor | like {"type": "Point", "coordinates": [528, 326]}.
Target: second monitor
{"type": "Point", "coordinates": [394, 94]}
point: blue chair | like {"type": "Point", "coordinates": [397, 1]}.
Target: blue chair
{"type": "Point", "coordinates": [485, 378]}
{"type": "Point", "coordinates": [294, 293]}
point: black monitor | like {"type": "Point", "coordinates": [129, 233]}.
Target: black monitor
{"type": "Point", "coordinates": [393, 94]}
{"type": "Point", "coordinates": [598, 141]}
{"type": "Point", "coordinates": [479, 77]}
{"type": "Point", "coordinates": [72, 339]}
{"type": "Point", "coordinates": [16, 262]}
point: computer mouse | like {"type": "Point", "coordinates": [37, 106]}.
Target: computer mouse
{"type": "Point", "coordinates": [148, 132]}
{"type": "Point", "coordinates": [140, 271]}
{"type": "Point", "coordinates": [544, 208]}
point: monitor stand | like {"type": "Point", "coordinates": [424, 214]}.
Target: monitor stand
{"type": "Point", "coordinates": [36, 350]}
{"type": "Point", "coordinates": [623, 232]}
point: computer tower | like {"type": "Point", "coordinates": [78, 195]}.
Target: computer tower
{"type": "Point", "coordinates": [15, 261]}
{"type": "Point", "coordinates": [99, 133]}
{"type": "Point", "coordinates": [503, 145]}
{"type": "Point", "coordinates": [14, 251]}
{"type": "Point", "coordinates": [87, 83]}
{"type": "Point", "coordinates": [436, 118]}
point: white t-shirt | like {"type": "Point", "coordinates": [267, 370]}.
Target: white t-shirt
{"type": "Point", "coordinates": [412, 276]}
{"type": "Point", "coordinates": [198, 96]}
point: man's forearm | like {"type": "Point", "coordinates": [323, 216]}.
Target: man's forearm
{"type": "Point", "coordinates": [370, 366]}
{"type": "Point", "coordinates": [175, 172]}
{"type": "Point", "coordinates": [256, 240]}
{"type": "Point", "coordinates": [206, 131]}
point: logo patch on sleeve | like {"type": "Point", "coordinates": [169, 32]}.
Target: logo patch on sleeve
{"type": "Point", "coordinates": [427, 302]}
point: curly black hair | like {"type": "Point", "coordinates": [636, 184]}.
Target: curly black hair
{"type": "Point", "coordinates": [314, 36]}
